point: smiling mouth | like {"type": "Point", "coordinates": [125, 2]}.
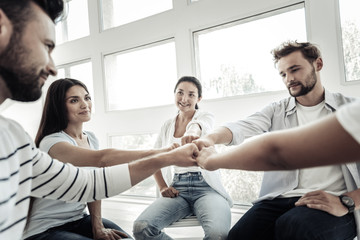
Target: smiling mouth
{"type": "Point", "coordinates": [183, 105]}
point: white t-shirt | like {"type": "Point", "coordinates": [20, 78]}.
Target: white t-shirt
{"type": "Point", "coordinates": [349, 118]}
{"type": "Point", "coordinates": [328, 178]}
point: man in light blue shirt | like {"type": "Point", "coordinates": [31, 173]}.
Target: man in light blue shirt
{"type": "Point", "coordinates": [275, 215]}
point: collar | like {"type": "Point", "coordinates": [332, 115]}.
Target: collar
{"type": "Point", "coordinates": [330, 103]}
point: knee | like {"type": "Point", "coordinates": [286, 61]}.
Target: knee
{"type": "Point", "coordinates": [142, 230]}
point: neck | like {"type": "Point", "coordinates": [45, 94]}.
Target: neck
{"type": "Point", "coordinates": [75, 132]}
{"type": "Point", "coordinates": [185, 116]}
{"type": "Point", "coordinates": [316, 96]}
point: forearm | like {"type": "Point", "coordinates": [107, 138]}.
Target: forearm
{"type": "Point", "coordinates": [95, 214]}
{"type": "Point", "coordinates": [111, 157]}
{"type": "Point", "coordinates": [355, 195]}
{"type": "Point", "coordinates": [147, 166]}
{"type": "Point", "coordinates": [160, 179]}
{"type": "Point", "coordinates": [221, 135]}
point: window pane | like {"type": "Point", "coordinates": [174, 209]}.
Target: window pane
{"type": "Point", "coordinates": [236, 60]}
{"type": "Point", "coordinates": [119, 12]}
{"type": "Point", "coordinates": [76, 24]}
{"type": "Point", "coordinates": [242, 186]}
{"type": "Point", "coordinates": [135, 78]}
{"type": "Point", "coordinates": [144, 141]}
{"type": "Point", "coordinates": [350, 29]}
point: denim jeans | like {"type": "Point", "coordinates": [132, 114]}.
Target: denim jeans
{"type": "Point", "coordinates": [195, 197]}
{"type": "Point", "coordinates": [76, 230]}
{"type": "Point", "coordinates": [280, 219]}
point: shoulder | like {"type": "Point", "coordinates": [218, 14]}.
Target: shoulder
{"type": "Point", "coordinates": [50, 140]}
{"type": "Point", "coordinates": [12, 131]}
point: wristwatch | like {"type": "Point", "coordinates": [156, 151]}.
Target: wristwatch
{"type": "Point", "coordinates": [347, 202]}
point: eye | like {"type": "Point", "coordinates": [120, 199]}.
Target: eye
{"type": "Point", "coordinates": [74, 100]}
{"type": "Point", "coordinates": [88, 98]}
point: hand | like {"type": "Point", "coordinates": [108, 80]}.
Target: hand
{"type": "Point", "coordinates": [203, 157]}
{"type": "Point", "coordinates": [184, 156]}
{"type": "Point", "coordinates": [203, 142]}
{"type": "Point", "coordinates": [323, 201]}
{"type": "Point", "coordinates": [188, 139]}
{"type": "Point", "coordinates": [169, 192]}
{"type": "Point", "coordinates": [108, 234]}
{"type": "Point", "coordinates": [168, 148]}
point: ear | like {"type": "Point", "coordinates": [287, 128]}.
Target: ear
{"type": "Point", "coordinates": [199, 99]}
{"type": "Point", "coordinates": [318, 64]}
{"type": "Point", "coordinates": [6, 30]}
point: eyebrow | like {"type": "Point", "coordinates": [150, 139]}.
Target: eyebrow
{"type": "Point", "coordinates": [290, 68]}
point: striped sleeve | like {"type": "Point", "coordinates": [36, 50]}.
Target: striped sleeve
{"type": "Point", "coordinates": [62, 181]}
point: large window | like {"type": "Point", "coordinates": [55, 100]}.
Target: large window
{"type": "Point", "coordinates": [350, 31]}
{"type": "Point", "coordinates": [76, 23]}
{"type": "Point", "coordinates": [120, 12]}
{"type": "Point", "coordinates": [141, 77]}
{"type": "Point", "coordinates": [234, 59]}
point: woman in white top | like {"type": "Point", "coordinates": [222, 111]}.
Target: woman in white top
{"type": "Point", "coordinates": [67, 107]}
{"type": "Point", "coordinates": [191, 190]}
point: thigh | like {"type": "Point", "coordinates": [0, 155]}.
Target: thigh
{"type": "Point", "coordinates": [58, 235]}
{"type": "Point", "coordinates": [306, 223]}
{"type": "Point", "coordinates": [165, 211]}
{"type": "Point", "coordinates": [84, 227]}
{"type": "Point", "coordinates": [213, 211]}
{"type": "Point", "coordinates": [259, 221]}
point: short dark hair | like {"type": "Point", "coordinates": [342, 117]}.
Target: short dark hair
{"type": "Point", "coordinates": [308, 50]}
{"type": "Point", "coordinates": [193, 80]}
{"type": "Point", "coordinates": [19, 11]}
{"type": "Point", "coordinates": [54, 116]}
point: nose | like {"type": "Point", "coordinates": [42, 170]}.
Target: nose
{"type": "Point", "coordinates": [84, 104]}
{"type": "Point", "coordinates": [50, 68]}
{"type": "Point", "coordinates": [184, 98]}
{"type": "Point", "coordinates": [289, 78]}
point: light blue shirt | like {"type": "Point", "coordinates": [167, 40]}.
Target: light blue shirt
{"type": "Point", "coordinates": [47, 213]}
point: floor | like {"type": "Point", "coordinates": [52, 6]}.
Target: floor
{"type": "Point", "coordinates": [124, 210]}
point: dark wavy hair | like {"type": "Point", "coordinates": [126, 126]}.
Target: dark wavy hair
{"type": "Point", "coordinates": [20, 12]}
{"type": "Point", "coordinates": [193, 80]}
{"type": "Point", "coordinates": [54, 116]}
{"type": "Point", "coordinates": [308, 50]}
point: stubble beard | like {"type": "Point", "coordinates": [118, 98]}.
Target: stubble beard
{"type": "Point", "coordinates": [311, 81]}
{"type": "Point", "coordinates": [20, 77]}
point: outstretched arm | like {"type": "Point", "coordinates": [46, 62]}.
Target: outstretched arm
{"type": "Point", "coordinates": [79, 156]}
{"type": "Point", "coordinates": [221, 135]}
{"type": "Point", "coordinates": [321, 143]}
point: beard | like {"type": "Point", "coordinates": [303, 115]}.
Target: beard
{"type": "Point", "coordinates": [21, 78]}
{"type": "Point", "coordinates": [310, 81]}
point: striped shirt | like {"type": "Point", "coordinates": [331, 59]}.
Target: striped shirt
{"type": "Point", "coordinates": [26, 171]}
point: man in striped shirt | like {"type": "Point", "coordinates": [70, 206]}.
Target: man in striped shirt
{"type": "Point", "coordinates": [27, 38]}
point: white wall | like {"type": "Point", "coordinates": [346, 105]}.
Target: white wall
{"type": "Point", "coordinates": [179, 23]}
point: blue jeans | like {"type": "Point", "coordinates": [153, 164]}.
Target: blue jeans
{"type": "Point", "coordinates": [76, 230]}
{"type": "Point", "coordinates": [280, 219]}
{"type": "Point", "coordinates": [195, 197]}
